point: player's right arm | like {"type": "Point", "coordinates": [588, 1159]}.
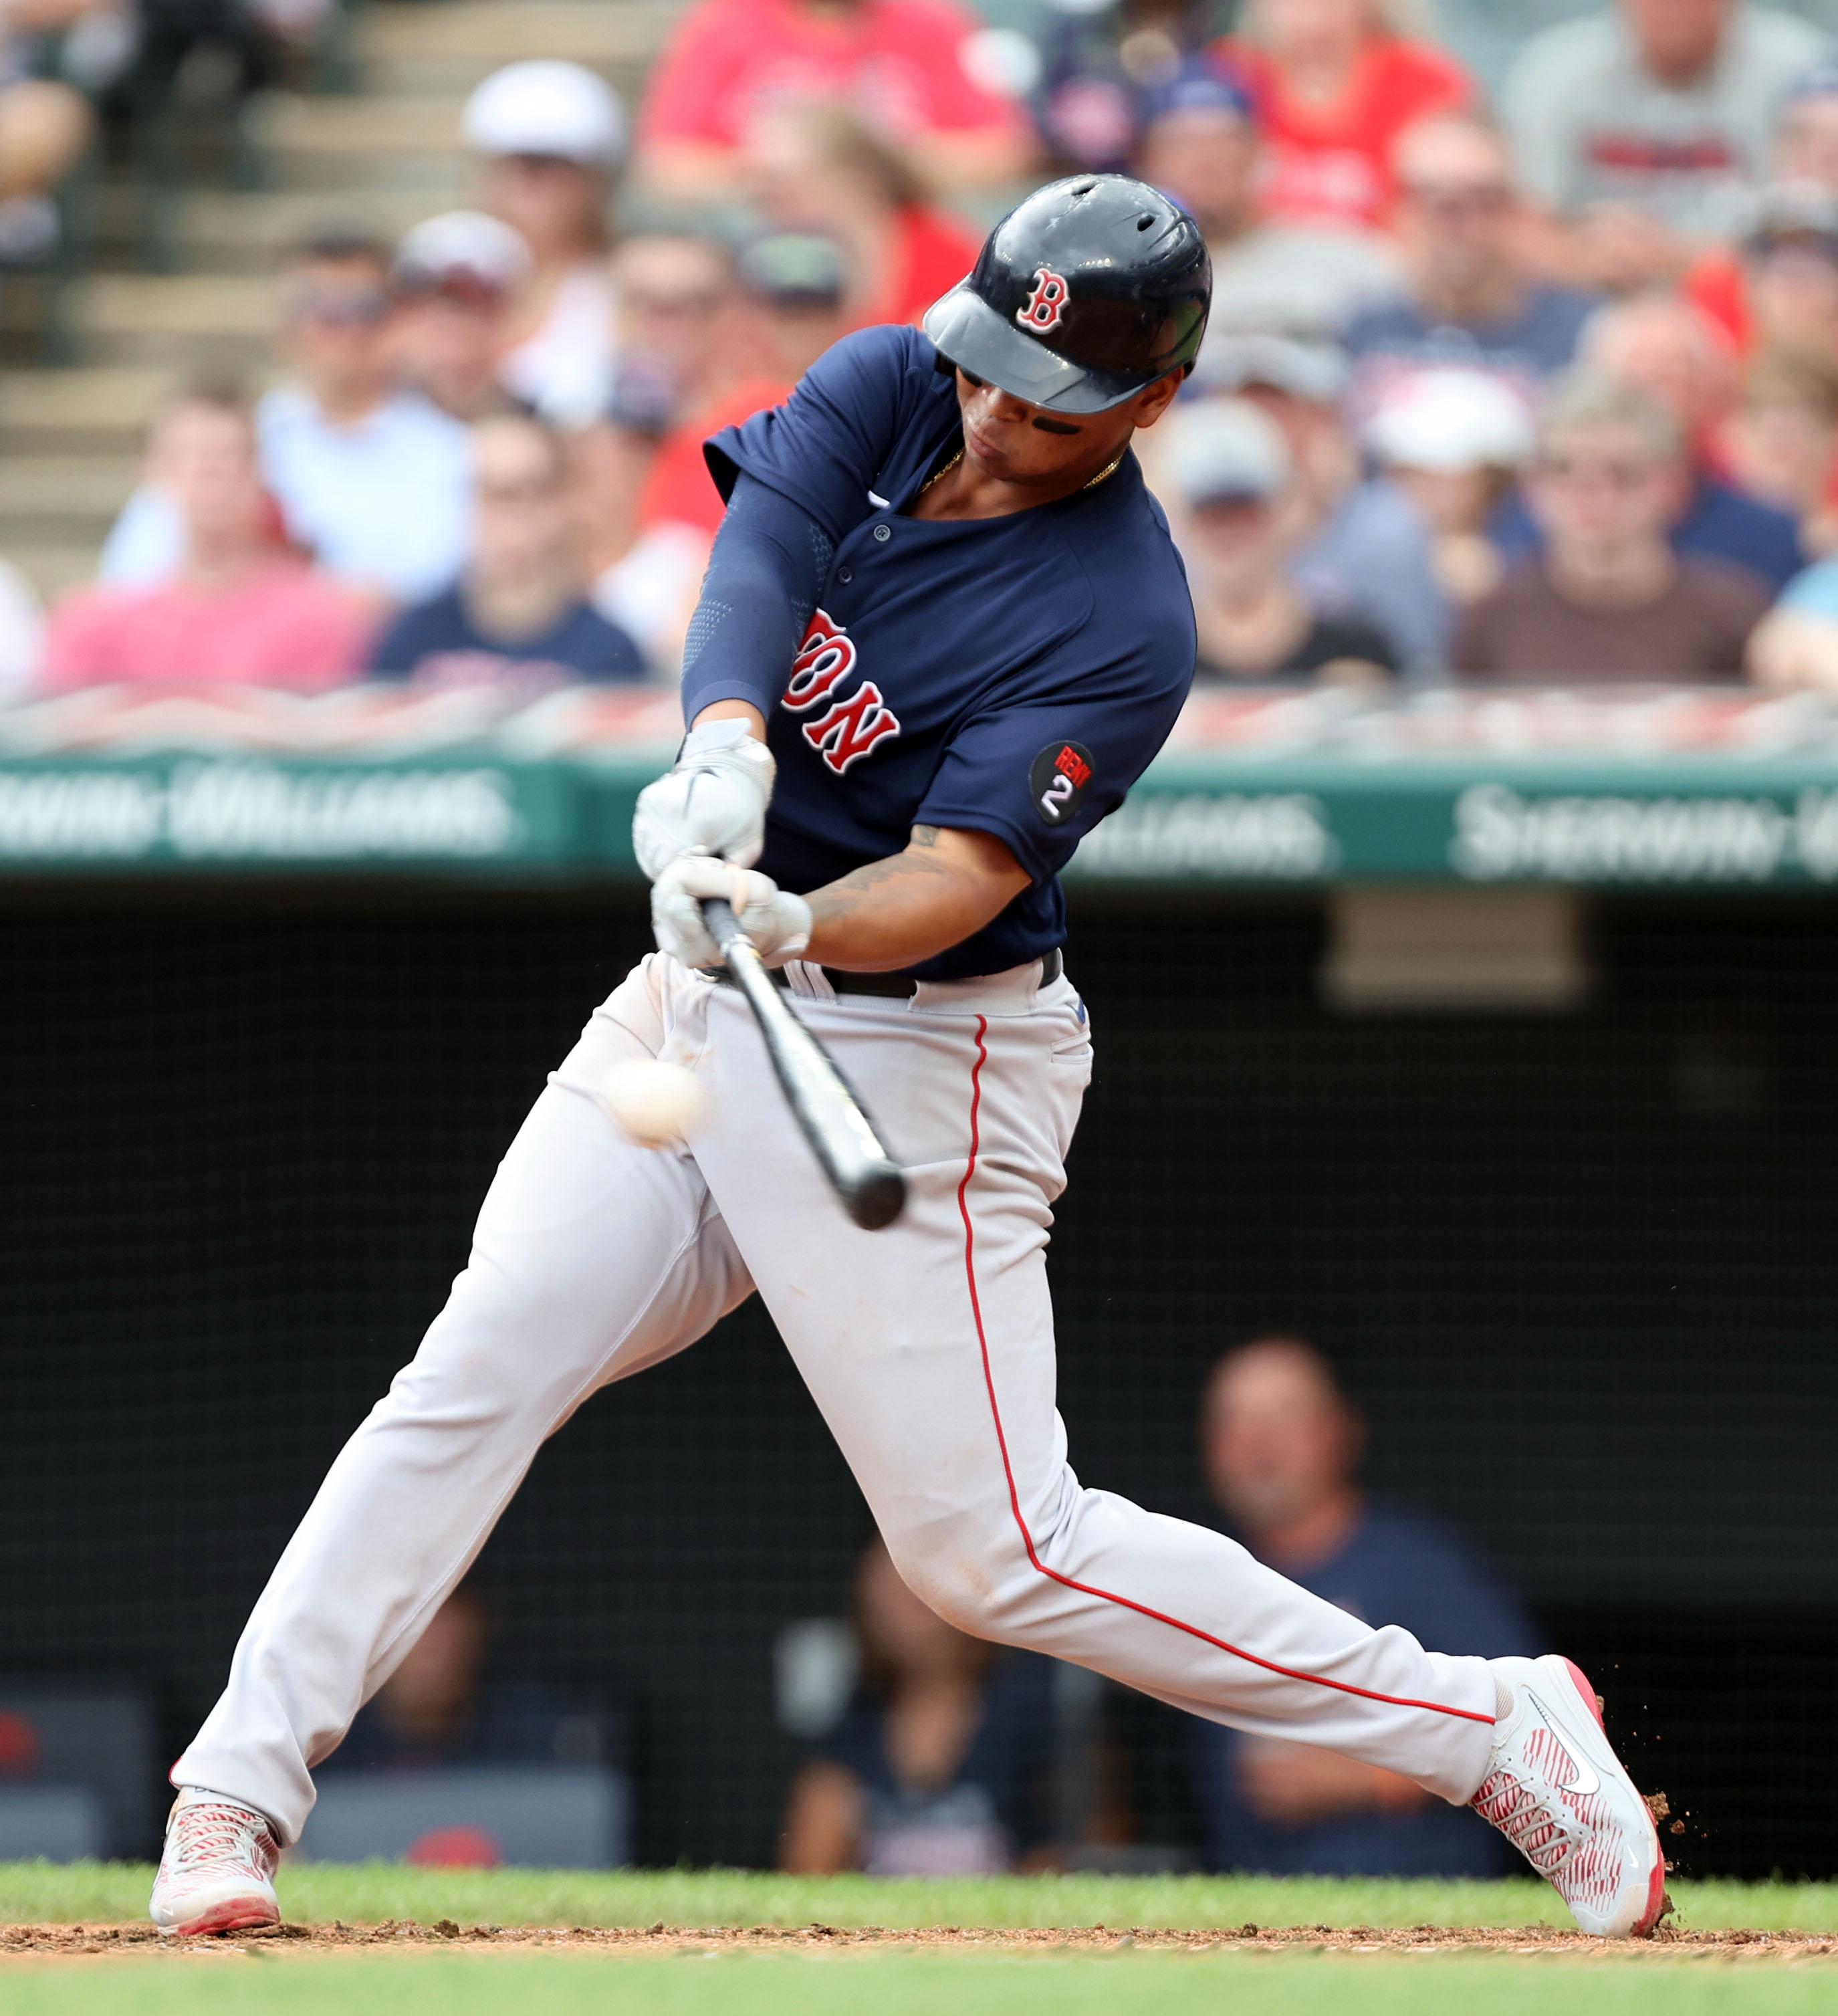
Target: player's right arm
{"type": "Point", "coordinates": [884, 916]}
{"type": "Point", "coordinates": [888, 915]}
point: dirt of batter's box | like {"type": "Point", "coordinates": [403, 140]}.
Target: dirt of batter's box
{"type": "Point", "coordinates": [73, 1942]}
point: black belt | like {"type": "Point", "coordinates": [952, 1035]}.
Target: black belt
{"type": "Point", "coordinates": [889, 986]}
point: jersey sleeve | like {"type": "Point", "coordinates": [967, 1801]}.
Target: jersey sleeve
{"type": "Point", "coordinates": [1040, 770]}
{"type": "Point", "coordinates": [824, 447]}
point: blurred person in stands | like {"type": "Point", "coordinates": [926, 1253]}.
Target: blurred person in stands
{"type": "Point", "coordinates": [1199, 143]}
{"type": "Point", "coordinates": [1366, 553]}
{"type": "Point", "coordinates": [1238, 517]}
{"type": "Point", "coordinates": [442, 1705]}
{"type": "Point", "coordinates": [44, 125]}
{"type": "Point", "coordinates": [1795, 644]}
{"type": "Point", "coordinates": [551, 136]}
{"type": "Point", "coordinates": [1641, 127]}
{"type": "Point", "coordinates": [372, 480]}
{"type": "Point", "coordinates": [1335, 85]}
{"type": "Point", "coordinates": [1453, 440]}
{"type": "Point", "coordinates": [686, 366]}
{"type": "Point", "coordinates": [1100, 64]}
{"type": "Point", "coordinates": [940, 1766]}
{"type": "Point", "coordinates": [519, 614]}
{"type": "Point", "coordinates": [908, 69]}
{"type": "Point", "coordinates": [1281, 1445]}
{"type": "Point", "coordinates": [1805, 129]}
{"type": "Point", "coordinates": [815, 167]}
{"type": "Point", "coordinates": [796, 285]}
{"type": "Point", "coordinates": [457, 280]}
{"type": "Point", "coordinates": [1659, 346]}
{"type": "Point", "coordinates": [1779, 287]}
{"type": "Point", "coordinates": [1608, 598]}
{"type": "Point", "coordinates": [240, 609]}
{"type": "Point", "coordinates": [1473, 297]}
{"type": "Point", "coordinates": [1781, 443]}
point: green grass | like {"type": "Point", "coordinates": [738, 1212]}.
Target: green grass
{"type": "Point", "coordinates": [45, 1893]}
{"type": "Point", "coordinates": [226, 1979]}
{"type": "Point", "coordinates": [912, 1985]}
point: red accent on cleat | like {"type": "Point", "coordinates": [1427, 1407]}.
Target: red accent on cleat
{"type": "Point", "coordinates": [240, 1914]}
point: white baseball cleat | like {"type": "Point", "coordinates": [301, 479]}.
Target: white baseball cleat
{"type": "Point", "coordinates": [217, 1872]}
{"type": "Point", "coordinates": [1557, 1791]}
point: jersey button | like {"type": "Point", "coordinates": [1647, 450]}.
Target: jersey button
{"type": "Point", "coordinates": [845, 574]}
{"type": "Point", "coordinates": [882, 534]}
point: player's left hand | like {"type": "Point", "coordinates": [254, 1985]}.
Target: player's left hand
{"type": "Point", "coordinates": [777, 922]}
{"type": "Point", "coordinates": [713, 801]}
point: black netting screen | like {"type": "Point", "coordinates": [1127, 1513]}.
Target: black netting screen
{"type": "Point", "coordinates": [1577, 1268]}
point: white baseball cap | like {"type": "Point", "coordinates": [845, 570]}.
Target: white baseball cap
{"type": "Point", "coordinates": [547, 107]}
{"type": "Point", "coordinates": [1449, 419]}
{"type": "Point", "coordinates": [1225, 448]}
{"type": "Point", "coordinates": [462, 248]}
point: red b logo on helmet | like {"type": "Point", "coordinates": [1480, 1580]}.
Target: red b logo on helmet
{"type": "Point", "coordinates": [1042, 309]}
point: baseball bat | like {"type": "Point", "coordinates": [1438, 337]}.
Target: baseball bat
{"type": "Point", "coordinates": [864, 1176]}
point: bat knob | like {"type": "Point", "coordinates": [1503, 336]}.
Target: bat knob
{"type": "Point", "coordinates": [876, 1198]}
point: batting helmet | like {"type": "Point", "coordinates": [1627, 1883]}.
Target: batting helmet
{"type": "Point", "coordinates": [1092, 289]}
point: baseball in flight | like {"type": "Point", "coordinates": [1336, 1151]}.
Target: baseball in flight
{"type": "Point", "coordinates": [655, 1102]}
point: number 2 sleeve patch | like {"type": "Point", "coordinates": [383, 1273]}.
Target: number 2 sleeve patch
{"type": "Point", "coordinates": [1056, 781]}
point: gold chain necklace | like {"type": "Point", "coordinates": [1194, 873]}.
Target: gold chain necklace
{"type": "Point", "coordinates": [1109, 469]}
{"type": "Point", "coordinates": [938, 475]}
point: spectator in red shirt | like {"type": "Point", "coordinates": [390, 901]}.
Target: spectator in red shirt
{"type": "Point", "coordinates": [1335, 88]}
{"type": "Point", "coordinates": [904, 66]}
{"type": "Point", "coordinates": [815, 167]}
{"type": "Point", "coordinates": [240, 610]}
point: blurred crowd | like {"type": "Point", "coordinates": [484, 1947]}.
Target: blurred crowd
{"type": "Point", "coordinates": [949, 1757]}
{"type": "Point", "coordinates": [1537, 385]}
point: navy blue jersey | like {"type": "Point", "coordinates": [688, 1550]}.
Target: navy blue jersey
{"type": "Point", "coordinates": [1012, 675]}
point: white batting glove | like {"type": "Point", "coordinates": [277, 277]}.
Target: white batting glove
{"type": "Point", "coordinates": [777, 922]}
{"type": "Point", "coordinates": [713, 802]}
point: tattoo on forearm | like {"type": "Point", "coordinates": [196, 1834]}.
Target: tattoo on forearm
{"type": "Point", "coordinates": [839, 899]}
{"type": "Point", "coordinates": [925, 835]}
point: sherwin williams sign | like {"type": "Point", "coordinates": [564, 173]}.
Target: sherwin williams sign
{"type": "Point", "coordinates": [1678, 788]}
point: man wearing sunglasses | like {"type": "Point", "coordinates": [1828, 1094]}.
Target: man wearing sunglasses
{"type": "Point", "coordinates": [1608, 598]}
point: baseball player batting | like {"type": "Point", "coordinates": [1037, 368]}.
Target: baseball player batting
{"type": "Point", "coordinates": [943, 629]}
